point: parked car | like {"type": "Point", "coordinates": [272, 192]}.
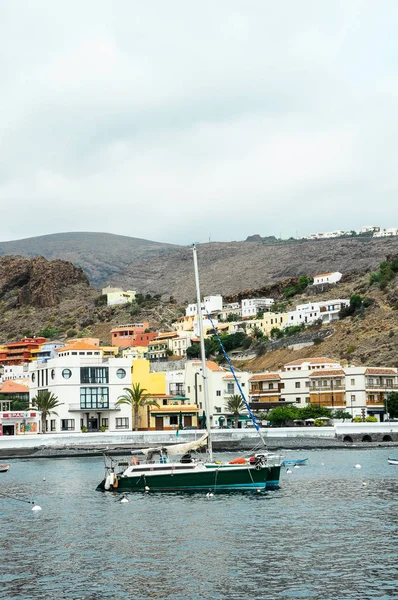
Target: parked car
{"type": "Point", "coordinates": [190, 427]}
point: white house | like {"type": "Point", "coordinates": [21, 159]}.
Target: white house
{"type": "Point", "coordinates": [88, 386]}
{"type": "Point", "coordinates": [310, 312]}
{"type": "Point", "coordinates": [370, 229]}
{"type": "Point", "coordinates": [251, 306]}
{"type": "Point", "coordinates": [210, 304]}
{"type": "Point", "coordinates": [327, 278]}
{"type": "Point", "coordinates": [181, 343]}
{"type": "Point", "coordinates": [116, 295]}
{"type": "Point", "coordinates": [392, 231]}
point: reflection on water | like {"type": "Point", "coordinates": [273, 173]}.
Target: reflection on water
{"type": "Point", "coordinates": [322, 535]}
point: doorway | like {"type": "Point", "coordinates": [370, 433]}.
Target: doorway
{"type": "Point", "coordinates": [93, 424]}
{"type": "Point", "coordinates": [159, 423]}
{"type": "Point", "coordinates": [187, 421]}
{"type": "Point", "coordinates": [8, 429]}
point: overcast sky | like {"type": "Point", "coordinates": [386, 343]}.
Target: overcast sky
{"type": "Point", "coordinates": [176, 120]}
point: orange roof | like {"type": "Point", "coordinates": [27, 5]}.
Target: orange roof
{"type": "Point", "coordinates": [316, 361]}
{"type": "Point", "coordinates": [10, 387]}
{"type": "Point", "coordinates": [380, 371]}
{"type": "Point", "coordinates": [213, 366]}
{"type": "Point", "coordinates": [327, 372]}
{"type": "Point", "coordinates": [78, 346]}
{"type": "Point", "coordinates": [264, 376]}
{"type": "Point", "coordinates": [230, 376]}
{"type": "Point", "coordinates": [168, 334]}
{"type": "Point", "coordinates": [325, 274]}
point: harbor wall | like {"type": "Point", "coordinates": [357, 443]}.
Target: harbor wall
{"type": "Point", "coordinates": [76, 444]}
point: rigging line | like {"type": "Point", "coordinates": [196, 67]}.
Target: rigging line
{"type": "Point", "coordinates": [253, 418]}
{"type": "Point", "coordinates": [14, 498]}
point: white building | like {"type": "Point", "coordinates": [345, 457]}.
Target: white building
{"type": "Point", "coordinates": [370, 229]}
{"type": "Point", "coordinates": [210, 304]}
{"type": "Point", "coordinates": [18, 373]}
{"type": "Point", "coordinates": [220, 385]}
{"type": "Point", "coordinates": [251, 306]}
{"type": "Point", "coordinates": [181, 343]}
{"type": "Point", "coordinates": [327, 311]}
{"type": "Point", "coordinates": [333, 277]}
{"type": "Point", "coordinates": [88, 385]}
{"type": "Point", "coordinates": [116, 296]}
{"type": "Point", "coordinates": [392, 231]}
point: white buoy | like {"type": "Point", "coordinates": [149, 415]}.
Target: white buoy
{"type": "Point", "coordinates": [44, 478]}
{"type": "Point", "coordinates": [364, 484]}
{"type": "Point", "coordinates": [258, 491]}
{"type": "Point", "coordinates": [322, 464]}
{"type": "Point", "coordinates": [36, 507]}
{"type": "Point", "coordinates": [147, 488]}
{"type": "Point", "coordinates": [288, 471]}
{"type": "Point", "coordinates": [123, 500]}
{"type": "Point", "coordinates": [296, 466]}
{"type": "Point", "coordinates": [358, 467]}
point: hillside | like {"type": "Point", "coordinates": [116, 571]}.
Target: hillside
{"type": "Point", "coordinates": [230, 268]}
{"type": "Point", "coordinates": [101, 255]}
{"type": "Point", "coordinates": [54, 299]}
{"type": "Point", "coordinates": [225, 267]}
{"type": "Point", "coordinates": [367, 339]}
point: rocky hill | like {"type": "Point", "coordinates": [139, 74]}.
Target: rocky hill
{"type": "Point", "coordinates": [101, 255]}
{"type": "Point", "coordinates": [240, 268]}
{"type": "Point", "coordinates": [225, 267]}
{"type": "Point", "coordinates": [54, 299]}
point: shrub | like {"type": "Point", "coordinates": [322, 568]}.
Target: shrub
{"type": "Point", "coordinates": [317, 341]}
{"type": "Point", "coordinates": [357, 420]}
{"type": "Point", "coordinates": [371, 419]}
{"type": "Point", "coordinates": [101, 300]}
{"type": "Point", "coordinates": [71, 333]}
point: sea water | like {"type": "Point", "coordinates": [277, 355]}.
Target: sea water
{"type": "Point", "coordinates": [329, 532]}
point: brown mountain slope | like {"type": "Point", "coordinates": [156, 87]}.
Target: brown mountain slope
{"type": "Point", "coordinates": [101, 255]}
{"type": "Point", "coordinates": [228, 268]}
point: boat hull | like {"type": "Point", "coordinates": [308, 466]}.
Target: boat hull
{"type": "Point", "coordinates": [294, 461]}
{"type": "Point", "coordinates": [224, 478]}
{"type": "Point", "coordinates": [393, 461]}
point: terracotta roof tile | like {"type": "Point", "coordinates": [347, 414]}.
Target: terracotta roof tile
{"type": "Point", "coordinates": [327, 372]}
{"type": "Point", "coordinates": [78, 346]}
{"type": "Point", "coordinates": [325, 274]}
{"type": "Point", "coordinates": [265, 376]}
{"type": "Point", "coordinates": [213, 366]}
{"type": "Point", "coordinates": [380, 371]}
{"type": "Point", "coordinates": [10, 387]}
{"type": "Point", "coordinates": [312, 361]}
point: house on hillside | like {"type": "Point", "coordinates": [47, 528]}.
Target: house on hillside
{"type": "Point", "coordinates": [332, 277]}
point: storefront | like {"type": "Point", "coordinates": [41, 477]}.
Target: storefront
{"type": "Point", "coordinates": [19, 423]}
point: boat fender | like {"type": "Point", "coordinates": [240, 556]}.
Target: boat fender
{"type": "Point", "coordinates": [107, 484]}
{"type": "Point", "coordinates": [135, 461]}
{"type": "Point", "coordinates": [238, 461]}
{"type": "Point", "coordinates": [112, 478]}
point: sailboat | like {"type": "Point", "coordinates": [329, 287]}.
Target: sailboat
{"type": "Point", "coordinates": [258, 472]}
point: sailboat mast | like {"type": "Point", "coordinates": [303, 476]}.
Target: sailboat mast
{"type": "Point", "coordinates": [202, 353]}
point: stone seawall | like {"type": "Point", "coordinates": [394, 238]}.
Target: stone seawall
{"type": "Point", "coordinates": [342, 435]}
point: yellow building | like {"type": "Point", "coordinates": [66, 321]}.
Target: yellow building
{"type": "Point", "coordinates": [172, 412]}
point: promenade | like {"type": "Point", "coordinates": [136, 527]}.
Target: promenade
{"type": "Point", "coordinates": [86, 444]}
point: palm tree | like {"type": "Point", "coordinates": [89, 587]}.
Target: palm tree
{"type": "Point", "coordinates": [45, 402]}
{"type": "Point", "coordinates": [136, 397]}
{"type": "Point", "coordinates": [235, 404]}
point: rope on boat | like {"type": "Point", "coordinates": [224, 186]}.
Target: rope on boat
{"type": "Point", "coordinates": [253, 418]}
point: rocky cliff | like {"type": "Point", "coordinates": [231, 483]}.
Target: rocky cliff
{"type": "Point", "coordinates": [36, 281]}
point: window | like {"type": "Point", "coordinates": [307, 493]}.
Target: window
{"type": "Point", "coordinates": [242, 385]}
{"type": "Point", "coordinates": [52, 373]}
{"type": "Point", "coordinates": [104, 423]}
{"type": "Point", "coordinates": [67, 424]}
{"type": "Point", "coordinates": [297, 384]}
{"type": "Point", "coordinates": [307, 400]}
{"type": "Point", "coordinates": [230, 388]}
{"type": "Point", "coordinates": [94, 397]}
{"type": "Point", "coordinates": [53, 425]}
{"type": "Point", "coordinates": [33, 377]}
{"type": "Point", "coordinates": [164, 402]}
{"type": "Point", "coordinates": [298, 400]}
{"type": "Point", "coordinates": [353, 398]}
{"type": "Point", "coordinates": [352, 381]}
{"type": "Point", "coordinates": [121, 373]}
{"type": "Point", "coordinates": [218, 393]}
{"type": "Point", "coordinates": [200, 388]}
{"type": "Point", "coordinates": [122, 422]}
{"type": "Point", "coordinates": [66, 373]}
{"type": "Point", "coordinates": [94, 375]}
{"type": "Point", "coordinates": [307, 384]}
{"type": "Point", "coordinates": [271, 386]}
{"type": "Point", "coordinates": [282, 386]}
{"type": "Point", "coordinates": [218, 409]}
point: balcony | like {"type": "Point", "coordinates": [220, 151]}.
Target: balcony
{"type": "Point", "coordinates": [176, 390]}
{"type": "Point", "coordinates": [327, 388]}
{"type": "Point", "coordinates": [377, 402]}
{"type": "Point", "coordinates": [78, 408]}
{"type": "Point", "coordinates": [381, 386]}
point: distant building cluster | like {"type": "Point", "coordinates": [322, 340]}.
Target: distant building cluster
{"type": "Point", "coordinates": [372, 230]}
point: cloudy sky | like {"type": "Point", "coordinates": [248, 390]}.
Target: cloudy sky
{"type": "Point", "coordinates": [178, 120]}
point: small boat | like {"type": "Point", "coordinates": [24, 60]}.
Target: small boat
{"type": "Point", "coordinates": [294, 462]}
{"type": "Point", "coordinates": [4, 468]}
{"type": "Point", "coordinates": [393, 461]}
{"type": "Point", "coordinates": [258, 472]}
